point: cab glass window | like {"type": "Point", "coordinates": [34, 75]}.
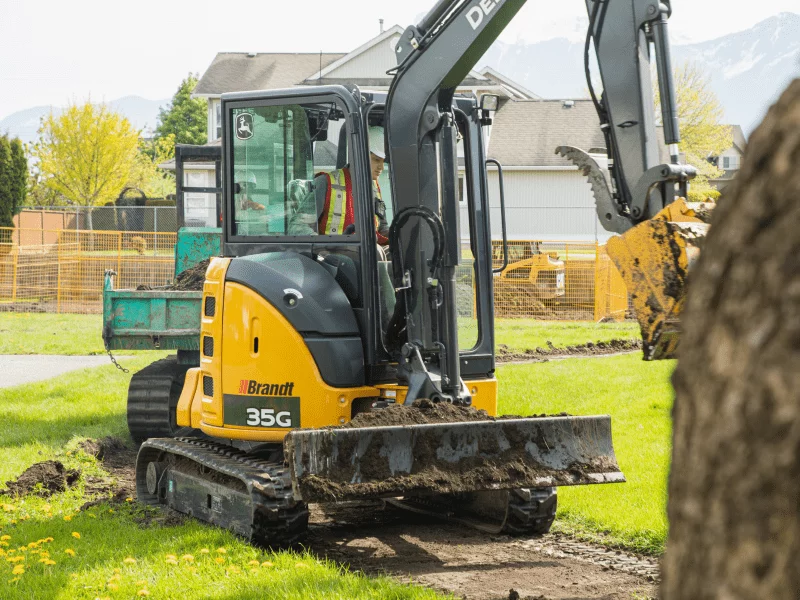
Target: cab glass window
{"type": "Point", "coordinates": [290, 174]}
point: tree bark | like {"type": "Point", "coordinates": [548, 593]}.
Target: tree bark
{"type": "Point", "coordinates": [734, 489]}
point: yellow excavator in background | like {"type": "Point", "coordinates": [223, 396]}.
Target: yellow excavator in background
{"type": "Point", "coordinates": [319, 358]}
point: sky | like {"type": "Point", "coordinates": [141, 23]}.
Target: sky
{"type": "Point", "coordinates": [53, 52]}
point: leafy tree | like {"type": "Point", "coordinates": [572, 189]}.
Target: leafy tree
{"type": "Point", "coordinates": [19, 175]}
{"type": "Point", "coordinates": [6, 184]}
{"type": "Point", "coordinates": [185, 117]}
{"type": "Point", "coordinates": [86, 154]}
{"type": "Point", "coordinates": [146, 176]}
{"type": "Point", "coordinates": [699, 114]}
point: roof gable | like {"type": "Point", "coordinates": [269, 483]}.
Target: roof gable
{"type": "Point", "coordinates": [370, 60]}
{"type": "Point", "coordinates": [243, 71]}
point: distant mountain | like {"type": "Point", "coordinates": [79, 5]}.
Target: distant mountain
{"type": "Point", "coordinates": [748, 69]}
{"type": "Point", "coordinates": [142, 114]}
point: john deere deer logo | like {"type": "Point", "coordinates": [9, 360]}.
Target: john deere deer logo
{"type": "Point", "coordinates": [244, 126]}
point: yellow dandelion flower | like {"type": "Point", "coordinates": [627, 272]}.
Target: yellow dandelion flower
{"type": "Point", "coordinates": [117, 571]}
{"type": "Point", "coordinates": [49, 539]}
{"type": "Point", "coordinates": [6, 544]}
{"type": "Point", "coordinates": [13, 521]}
{"type": "Point", "coordinates": [18, 570]}
{"type": "Point", "coordinates": [76, 535]}
{"type": "Point", "coordinates": [114, 577]}
{"type": "Point", "coordinates": [129, 560]}
{"type": "Point", "coordinates": [222, 550]}
{"type": "Point", "coordinates": [204, 550]}
{"type": "Point", "coordinates": [111, 510]}
{"type": "Point", "coordinates": [24, 517]}
{"type": "Point", "coordinates": [14, 580]}
{"type": "Point", "coordinates": [128, 499]}
{"type": "Point", "coordinates": [172, 561]}
{"type": "Point", "coordinates": [49, 562]}
{"type": "Point", "coordinates": [267, 563]}
{"type": "Point", "coordinates": [171, 556]}
{"type": "Point", "coordinates": [12, 551]}
{"type": "Point", "coordinates": [142, 593]}
{"type": "Point", "coordinates": [9, 507]}
{"type": "Point", "coordinates": [187, 558]}
{"type": "Point", "coordinates": [255, 563]}
{"type": "Point", "coordinates": [233, 569]}
{"type": "Point", "coordinates": [253, 570]}
{"type": "Point", "coordinates": [5, 537]}
{"type": "Point", "coordinates": [191, 569]}
{"type": "Point", "coordinates": [23, 548]}
{"type": "Point", "coordinates": [33, 544]}
{"type": "Point", "coordinates": [69, 551]}
{"type": "Point", "coordinates": [40, 541]}
{"type": "Point", "coordinates": [15, 559]}
{"type": "Point", "coordinates": [92, 515]}
{"type": "Point", "coordinates": [219, 560]}
{"type": "Point", "coordinates": [300, 566]}
{"type": "Point", "coordinates": [68, 517]}
{"type": "Point", "coordinates": [112, 586]}
{"type": "Point", "coordinates": [46, 507]}
{"type": "Point", "coordinates": [41, 560]}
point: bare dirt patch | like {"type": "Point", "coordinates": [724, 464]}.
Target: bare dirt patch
{"type": "Point", "coordinates": [458, 560]}
{"type": "Point", "coordinates": [617, 346]}
{"type": "Point", "coordinates": [42, 479]}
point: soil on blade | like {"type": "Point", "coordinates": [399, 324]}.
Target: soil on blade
{"type": "Point", "coordinates": [42, 479]}
{"type": "Point", "coordinates": [505, 459]}
{"type": "Point", "coordinates": [616, 346]}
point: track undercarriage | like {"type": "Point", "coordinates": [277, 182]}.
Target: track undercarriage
{"type": "Point", "coordinates": [250, 493]}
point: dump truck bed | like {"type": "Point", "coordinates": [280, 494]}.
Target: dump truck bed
{"type": "Point", "coordinates": [151, 319]}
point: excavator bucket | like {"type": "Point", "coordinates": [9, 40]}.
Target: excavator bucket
{"type": "Point", "coordinates": [654, 259]}
{"type": "Point", "coordinates": [354, 463]}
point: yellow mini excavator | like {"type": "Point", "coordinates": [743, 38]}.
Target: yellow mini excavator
{"type": "Point", "coordinates": [306, 324]}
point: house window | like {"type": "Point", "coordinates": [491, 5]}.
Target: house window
{"type": "Point", "coordinates": [730, 163]}
{"type": "Point", "coordinates": [218, 118]}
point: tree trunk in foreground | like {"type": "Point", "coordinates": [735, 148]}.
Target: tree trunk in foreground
{"type": "Point", "coordinates": [734, 489]}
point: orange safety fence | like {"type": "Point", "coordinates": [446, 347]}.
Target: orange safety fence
{"type": "Point", "coordinates": [62, 270]}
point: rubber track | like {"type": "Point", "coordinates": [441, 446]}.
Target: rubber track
{"type": "Point", "coordinates": [277, 518]}
{"type": "Point", "coordinates": [531, 511]}
{"type": "Point", "coordinates": [528, 511]}
{"type": "Point", "coordinates": [153, 398]}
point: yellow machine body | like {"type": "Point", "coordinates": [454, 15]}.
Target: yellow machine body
{"type": "Point", "coordinates": [654, 259]}
{"type": "Point", "coordinates": [260, 380]}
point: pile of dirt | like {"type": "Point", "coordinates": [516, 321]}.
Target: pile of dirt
{"type": "Point", "coordinates": [423, 411]}
{"type": "Point", "coordinates": [192, 279]}
{"type": "Point", "coordinates": [119, 461]}
{"type": "Point", "coordinates": [42, 479]}
{"type": "Point", "coordinates": [506, 354]}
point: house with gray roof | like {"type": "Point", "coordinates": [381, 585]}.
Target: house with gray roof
{"type": "Point", "coordinates": [731, 159]}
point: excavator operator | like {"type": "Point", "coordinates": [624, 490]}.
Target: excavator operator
{"type": "Point", "coordinates": [330, 198]}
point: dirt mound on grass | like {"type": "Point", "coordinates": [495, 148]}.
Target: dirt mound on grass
{"type": "Point", "coordinates": [42, 479]}
{"type": "Point", "coordinates": [506, 354]}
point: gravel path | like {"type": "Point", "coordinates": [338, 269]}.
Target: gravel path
{"type": "Point", "coordinates": [18, 369]}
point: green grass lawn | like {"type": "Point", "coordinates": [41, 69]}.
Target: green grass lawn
{"type": "Point", "coordinates": [116, 554]}
{"type": "Point", "coordinates": [524, 334]}
{"type": "Point", "coordinates": [44, 333]}
{"type": "Point", "coordinates": [638, 396]}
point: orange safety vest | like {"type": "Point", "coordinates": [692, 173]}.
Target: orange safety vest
{"type": "Point", "coordinates": [337, 214]}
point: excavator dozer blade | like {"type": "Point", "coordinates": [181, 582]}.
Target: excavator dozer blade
{"type": "Point", "coordinates": [356, 463]}
{"type": "Point", "coordinates": [654, 259]}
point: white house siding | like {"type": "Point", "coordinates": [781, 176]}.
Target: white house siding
{"type": "Point", "coordinates": [543, 205]}
{"type": "Point", "coordinates": [372, 63]}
